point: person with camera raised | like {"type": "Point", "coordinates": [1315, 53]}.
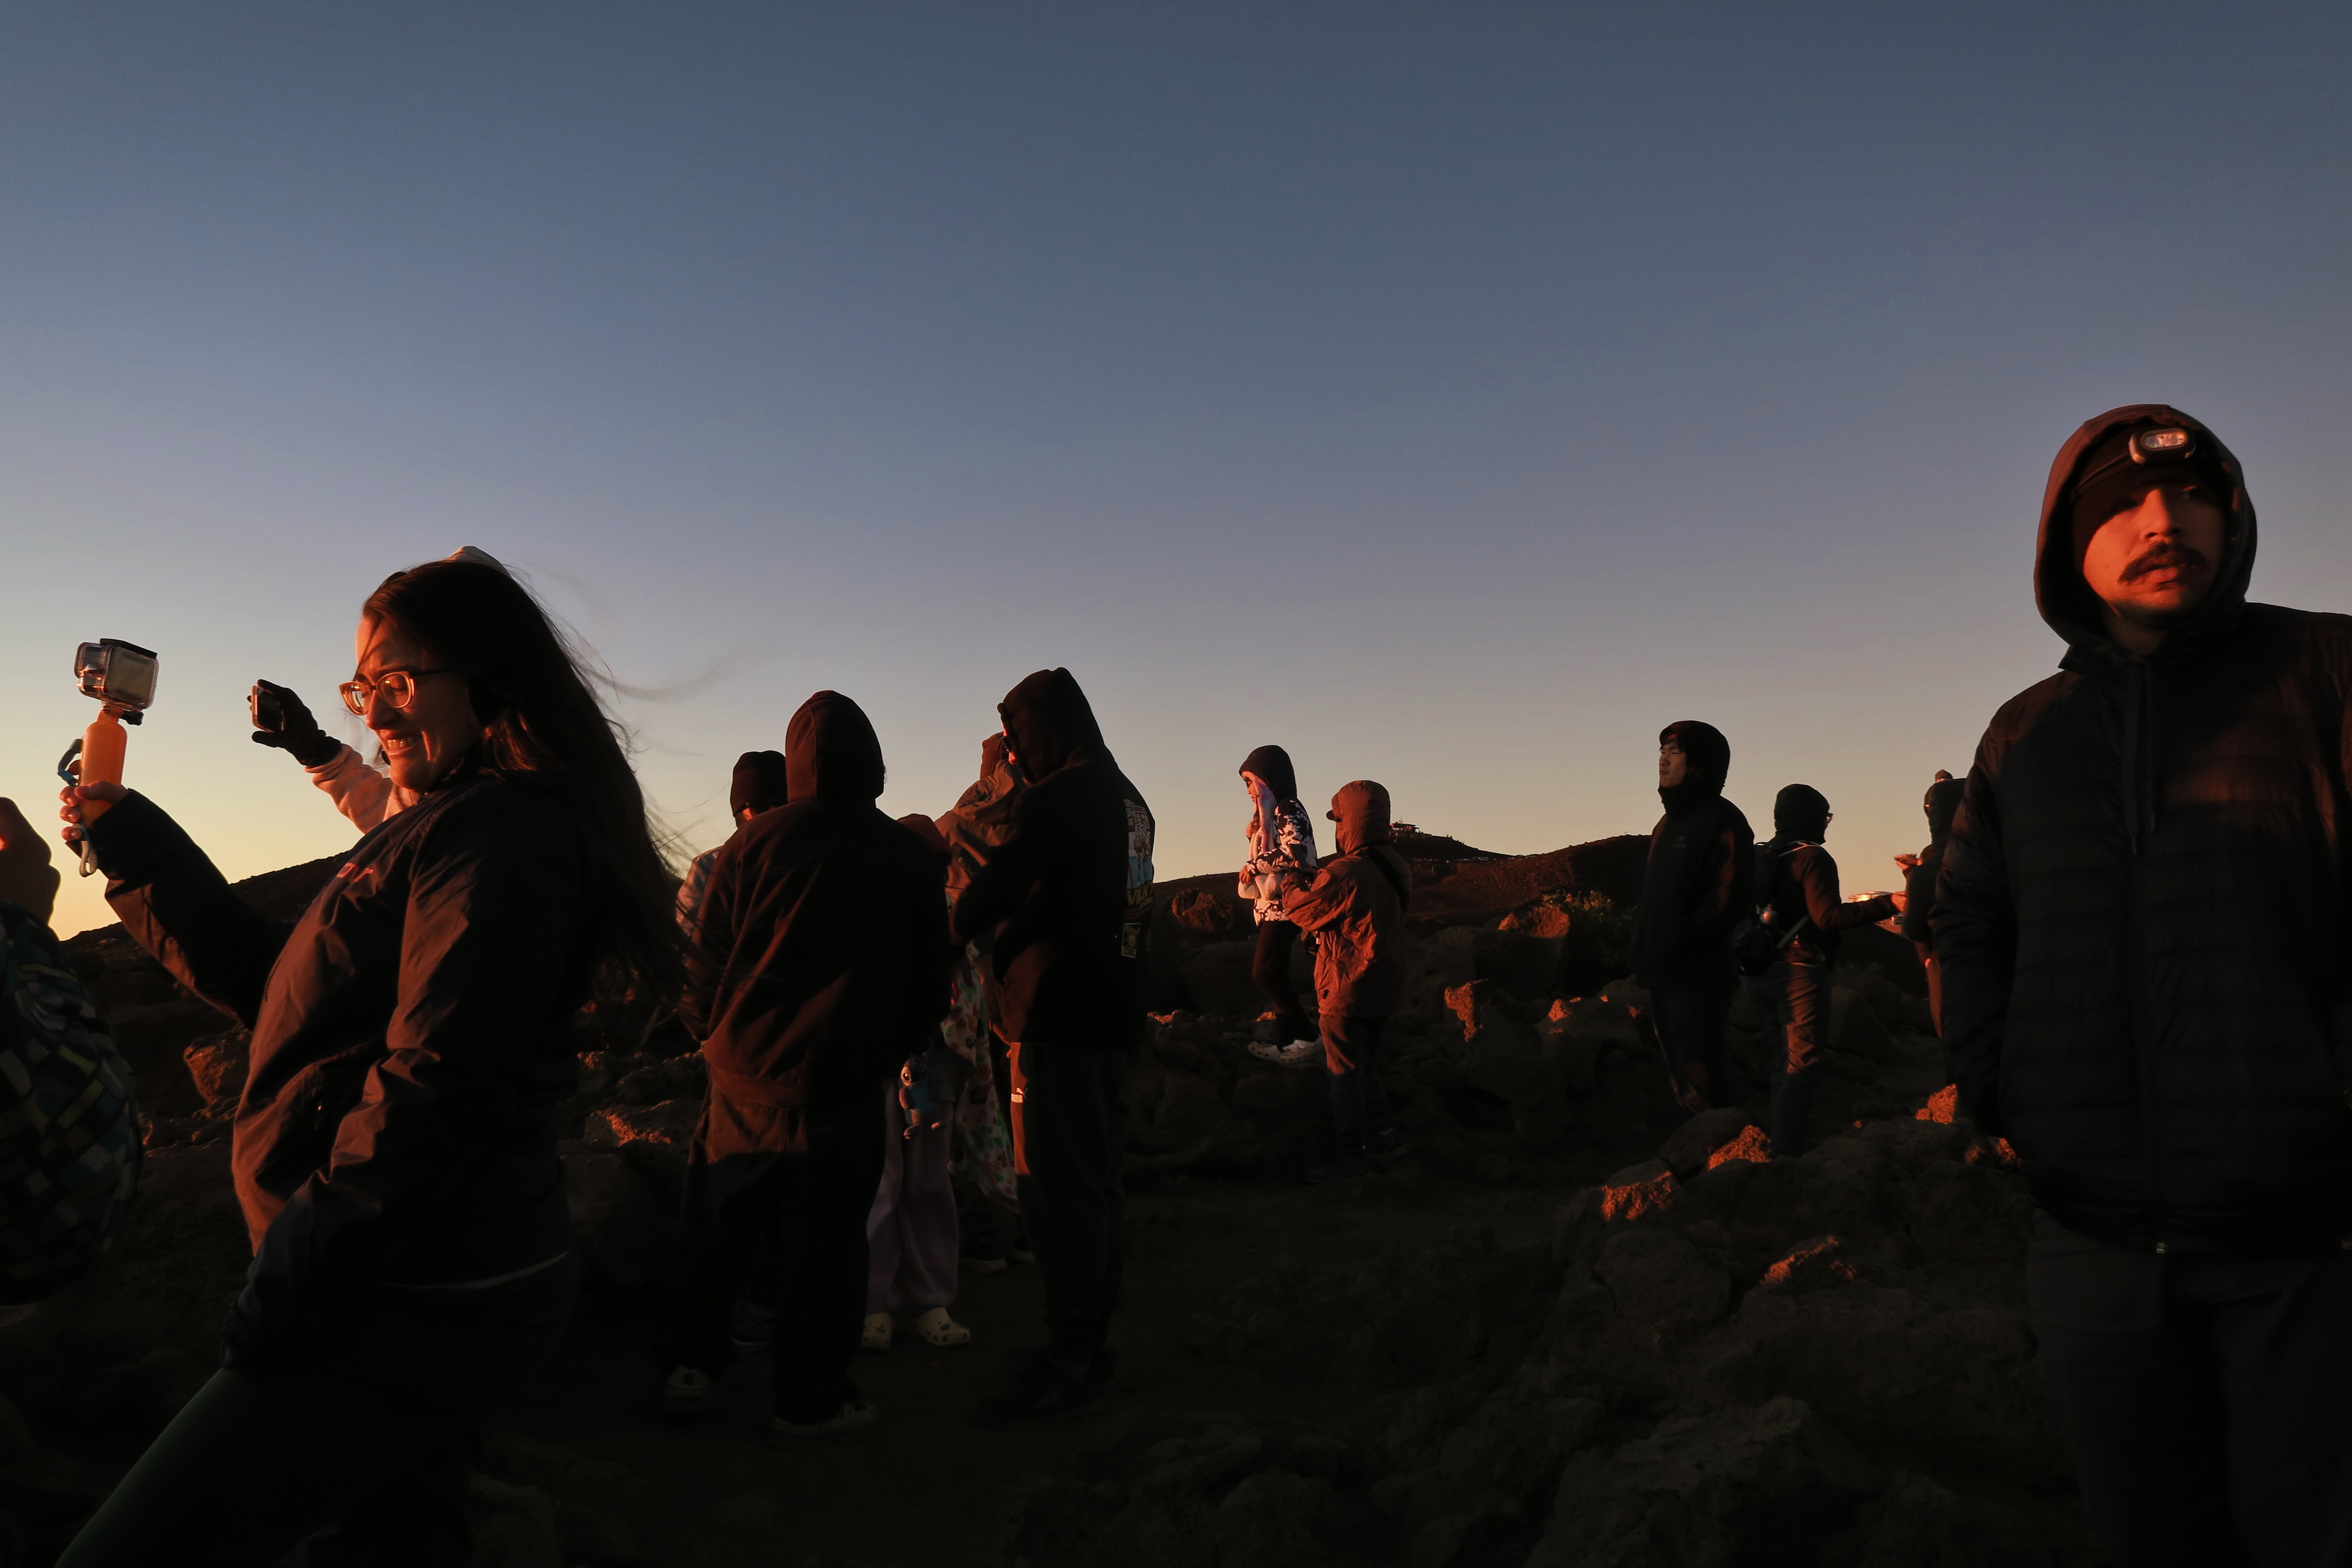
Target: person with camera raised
{"type": "Point", "coordinates": [2142, 919]}
{"type": "Point", "coordinates": [395, 1146]}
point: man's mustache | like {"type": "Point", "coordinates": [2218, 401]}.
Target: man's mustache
{"type": "Point", "coordinates": [2162, 556]}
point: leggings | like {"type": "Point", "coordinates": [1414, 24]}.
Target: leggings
{"type": "Point", "coordinates": [369, 1438]}
{"type": "Point", "coordinates": [1271, 969]}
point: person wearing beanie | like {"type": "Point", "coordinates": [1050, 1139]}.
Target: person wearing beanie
{"type": "Point", "coordinates": [2142, 919]}
{"type": "Point", "coordinates": [1797, 889]}
{"type": "Point", "coordinates": [758, 785]}
{"type": "Point", "coordinates": [1356, 908]}
{"type": "Point", "coordinates": [1943, 803]}
{"type": "Point", "coordinates": [1696, 886]}
{"type": "Point", "coordinates": [822, 966]}
{"type": "Point", "coordinates": [365, 794]}
{"type": "Point", "coordinates": [1281, 857]}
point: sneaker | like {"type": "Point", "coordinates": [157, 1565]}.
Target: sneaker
{"type": "Point", "coordinates": [879, 1329]}
{"type": "Point", "coordinates": [1298, 1053]}
{"type": "Point", "coordinates": [853, 1417]}
{"type": "Point", "coordinates": [688, 1390]}
{"type": "Point", "coordinates": [1048, 1393]}
{"type": "Point", "coordinates": [753, 1328]}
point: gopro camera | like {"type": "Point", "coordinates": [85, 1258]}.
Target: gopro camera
{"type": "Point", "coordinates": [120, 674]}
{"type": "Point", "coordinates": [2167, 444]}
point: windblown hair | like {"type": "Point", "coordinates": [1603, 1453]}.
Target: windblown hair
{"type": "Point", "coordinates": [535, 693]}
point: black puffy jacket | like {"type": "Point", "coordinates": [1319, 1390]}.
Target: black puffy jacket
{"type": "Point", "coordinates": [410, 1043]}
{"type": "Point", "coordinates": [2142, 914]}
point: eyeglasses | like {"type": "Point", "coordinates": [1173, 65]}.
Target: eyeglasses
{"type": "Point", "coordinates": [397, 687]}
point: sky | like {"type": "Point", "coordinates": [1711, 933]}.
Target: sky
{"type": "Point", "coordinates": [1452, 393]}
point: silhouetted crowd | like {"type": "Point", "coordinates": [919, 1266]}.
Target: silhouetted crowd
{"type": "Point", "coordinates": [2131, 913]}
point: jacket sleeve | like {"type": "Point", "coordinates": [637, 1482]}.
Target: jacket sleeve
{"type": "Point", "coordinates": [490, 950]}
{"type": "Point", "coordinates": [1819, 879]}
{"type": "Point", "coordinates": [177, 906]}
{"type": "Point", "coordinates": [1040, 839]}
{"type": "Point", "coordinates": [711, 940]}
{"type": "Point", "coordinates": [1976, 943]}
{"type": "Point", "coordinates": [933, 971]}
{"type": "Point", "coordinates": [1324, 903]}
{"type": "Point", "coordinates": [1727, 892]}
{"type": "Point", "coordinates": [363, 794]}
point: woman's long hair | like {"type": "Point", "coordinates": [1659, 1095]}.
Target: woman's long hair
{"type": "Point", "coordinates": [535, 694]}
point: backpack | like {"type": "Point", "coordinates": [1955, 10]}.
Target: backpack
{"type": "Point", "coordinates": [1756, 945]}
{"type": "Point", "coordinates": [69, 1146]}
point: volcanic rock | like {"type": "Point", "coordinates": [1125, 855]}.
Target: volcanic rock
{"type": "Point", "coordinates": [1692, 1144]}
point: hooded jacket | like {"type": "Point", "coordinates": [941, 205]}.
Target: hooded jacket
{"type": "Point", "coordinates": [1698, 882]}
{"type": "Point", "coordinates": [1356, 905]}
{"type": "Point", "coordinates": [1070, 886]}
{"type": "Point", "coordinates": [1797, 880]}
{"type": "Point", "coordinates": [411, 1039]}
{"type": "Point", "coordinates": [1943, 804]}
{"type": "Point", "coordinates": [982, 818]}
{"type": "Point", "coordinates": [823, 955]}
{"type": "Point", "coordinates": [2142, 914]}
{"type": "Point", "coordinates": [1281, 837]}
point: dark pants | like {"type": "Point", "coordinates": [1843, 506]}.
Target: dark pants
{"type": "Point", "coordinates": [2208, 1400]}
{"type": "Point", "coordinates": [1690, 1023]}
{"type": "Point", "coordinates": [759, 1171]}
{"type": "Point", "coordinates": [1069, 1133]}
{"type": "Point", "coordinates": [370, 1435]}
{"type": "Point", "coordinates": [1351, 1055]}
{"type": "Point", "coordinates": [1796, 997]}
{"type": "Point", "coordinates": [1270, 967]}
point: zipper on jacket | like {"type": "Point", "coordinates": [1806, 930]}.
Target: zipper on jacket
{"type": "Point", "coordinates": [2140, 819]}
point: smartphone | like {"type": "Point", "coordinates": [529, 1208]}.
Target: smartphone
{"type": "Point", "coordinates": [269, 713]}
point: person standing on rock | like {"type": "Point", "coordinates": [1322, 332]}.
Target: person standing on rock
{"type": "Point", "coordinates": [2143, 918]}
{"type": "Point", "coordinates": [364, 795]}
{"type": "Point", "coordinates": [823, 965]}
{"type": "Point", "coordinates": [395, 1150]}
{"type": "Point", "coordinates": [1697, 885]}
{"type": "Point", "coordinates": [1356, 908]}
{"type": "Point", "coordinates": [1281, 857]}
{"type": "Point", "coordinates": [1068, 893]}
{"type": "Point", "coordinates": [1797, 888]}
{"type": "Point", "coordinates": [1919, 872]}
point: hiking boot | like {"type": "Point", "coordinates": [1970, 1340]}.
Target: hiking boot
{"type": "Point", "coordinates": [753, 1328]}
{"type": "Point", "coordinates": [1295, 1053]}
{"type": "Point", "coordinates": [855, 1417]}
{"type": "Point", "coordinates": [689, 1390]}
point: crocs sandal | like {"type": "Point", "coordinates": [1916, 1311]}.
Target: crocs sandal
{"type": "Point", "coordinates": [876, 1336]}
{"type": "Point", "coordinates": [937, 1327]}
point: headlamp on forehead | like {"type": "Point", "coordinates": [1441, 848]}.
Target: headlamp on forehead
{"type": "Point", "coordinates": [2166, 445]}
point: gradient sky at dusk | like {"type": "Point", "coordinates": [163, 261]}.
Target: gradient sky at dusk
{"type": "Point", "coordinates": [1453, 394]}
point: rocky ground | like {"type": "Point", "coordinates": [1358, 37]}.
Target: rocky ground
{"type": "Point", "coordinates": [1576, 1326]}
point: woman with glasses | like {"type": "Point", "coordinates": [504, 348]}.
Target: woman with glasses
{"type": "Point", "coordinates": [395, 1148]}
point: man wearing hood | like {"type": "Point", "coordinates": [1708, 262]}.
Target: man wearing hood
{"type": "Point", "coordinates": [1695, 887]}
{"type": "Point", "coordinates": [2142, 923]}
{"type": "Point", "coordinates": [1356, 906]}
{"type": "Point", "coordinates": [759, 785]}
{"type": "Point", "coordinates": [1068, 893]}
{"type": "Point", "coordinates": [1919, 873]}
{"type": "Point", "coordinates": [823, 965]}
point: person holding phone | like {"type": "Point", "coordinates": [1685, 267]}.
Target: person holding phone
{"type": "Point", "coordinates": [395, 1148]}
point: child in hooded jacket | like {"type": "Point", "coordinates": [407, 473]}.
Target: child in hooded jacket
{"type": "Point", "coordinates": [1356, 907]}
{"type": "Point", "coordinates": [1281, 857]}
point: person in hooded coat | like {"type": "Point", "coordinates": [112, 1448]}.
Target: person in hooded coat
{"type": "Point", "coordinates": [1797, 887]}
{"type": "Point", "coordinates": [1068, 893]}
{"type": "Point", "coordinates": [1697, 885]}
{"type": "Point", "coordinates": [1356, 908]}
{"type": "Point", "coordinates": [2142, 918]}
{"type": "Point", "coordinates": [1281, 857]}
{"type": "Point", "coordinates": [981, 1162]}
{"type": "Point", "coordinates": [1919, 873]}
{"type": "Point", "coordinates": [823, 965]}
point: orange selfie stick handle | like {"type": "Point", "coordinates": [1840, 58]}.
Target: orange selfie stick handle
{"type": "Point", "coordinates": [102, 747]}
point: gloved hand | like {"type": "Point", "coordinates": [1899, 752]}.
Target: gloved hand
{"type": "Point", "coordinates": [296, 732]}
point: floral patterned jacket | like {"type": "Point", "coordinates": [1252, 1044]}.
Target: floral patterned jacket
{"type": "Point", "coordinates": [1268, 874]}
